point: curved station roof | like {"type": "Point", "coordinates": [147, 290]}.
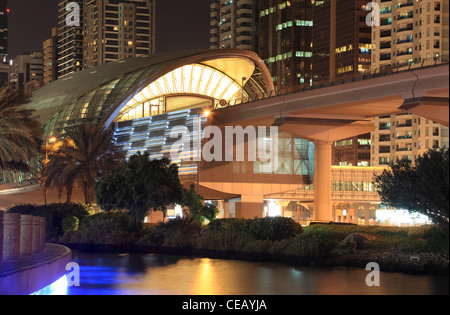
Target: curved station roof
{"type": "Point", "coordinates": [154, 85]}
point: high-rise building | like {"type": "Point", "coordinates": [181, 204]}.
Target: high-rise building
{"type": "Point", "coordinates": [3, 29]}
{"type": "Point", "coordinates": [342, 39]}
{"type": "Point", "coordinates": [353, 151]}
{"type": "Point", "coordinates": [3, 42]}
{"type": "Point", "coordinates": [286, 41]}
{"type": "Point", "coordinates": [233, 24]}
{"type": "Point", "coordinates": [405, 136]}
{"type": "Point", "coordinates": [410, 32]}
{"type": "Point", "coordinates": [117, 29]}
{"type": "Point", "coordinates": [50, 49]}
{"type": "Point", "coordinates": [24, 69]}
{"type": "Point", "coordinates": [70, 40]}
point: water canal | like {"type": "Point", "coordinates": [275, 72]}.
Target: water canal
{"type": "Point", "coordinates": [150, 274]}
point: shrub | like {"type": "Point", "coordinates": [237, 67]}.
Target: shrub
{"type": "Point", "coordinates": [273, 229]}
{"type": "Point", "coordinates": [312, 246]}
{"type": "Point", "coordinates": [224, 240]}
{"type": "Point", "coordinates": [70, 224]}
{"type": "Point", "coordinates": [113, 228]}
{"type": "Point", "coordinates": [180, 232]}
{"type": "Point", "coordinates": [150, 237]}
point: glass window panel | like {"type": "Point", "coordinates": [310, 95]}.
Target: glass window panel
{"type": "Point", "coordinates": [215, 79]}
{"type": "Point", "coordinates": [178, 78]}
{"type": "Point", "coordinates": [187, 73]}
{"type": "Point", "coordinates": [223, 85]}
{"type": "Point", "coordinates": [146, 93]}
{"type": "Point", "coordinates": [206, 76]}
{"type": "Point", "coordinates": [169, 83]}
{"type": "Point", "coordinates": [196, 76]}
{"type": "Point", "coordinates": [153, 89]}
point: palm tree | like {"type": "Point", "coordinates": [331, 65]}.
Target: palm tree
{"type": "Point", "coordinates": [20, 134]}
{"type": "Point", "coordinates": [84, 154]}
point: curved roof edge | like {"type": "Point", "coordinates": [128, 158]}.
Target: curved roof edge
{"type": "Point", "coordinates": [205, 56]}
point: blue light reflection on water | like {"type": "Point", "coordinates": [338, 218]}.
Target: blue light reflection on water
{"type": "Point", "coordinates": [135, 274]}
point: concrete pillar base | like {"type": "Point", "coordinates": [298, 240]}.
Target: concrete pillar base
{"type": "Point", "coordinates": [26, 234]}
{"type": "Point", "coordinates": [1, 235]}
{"type": "Point", "coordinates": [36, 235]}
{"type": "Point", "coordinates": [11, 235]}
{"type": "Point", "coordinates": [42, 234]}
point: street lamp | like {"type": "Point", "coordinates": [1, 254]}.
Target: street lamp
{"type": "Point", "coordinates": [206, 113]}
{"type": "Point", "coordinates": [47, 141]}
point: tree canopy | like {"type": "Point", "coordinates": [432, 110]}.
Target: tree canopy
{"type": "Point", "coordinates": [140, 185]}
{"type": "Point", "coordinates": [421, 186]}
{"type": "Point", "coordinates": [20, 134]}
{"type": "Point", "coordinates": [79, 158]}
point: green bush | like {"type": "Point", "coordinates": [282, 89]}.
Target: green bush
{"type": "Point", "coordinates": [313, 246]}
{"type": "Point", "coordinates": [180, 232]}
{"type": "Point", "coordinates": [150, 237]}
{"type": "Point", "coordinates": [70, 224]}
{"type": "Point", "coordinates": [224, 240]}
{"type": "Point", "coordinates": [273, 229]}
{"type": "Point", "coordinates": [112, 228]}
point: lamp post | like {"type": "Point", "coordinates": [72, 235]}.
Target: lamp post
{"type": "Point", "coordinates": [199, 143]}
{"type": "Point", "coordinates": [47, 141]}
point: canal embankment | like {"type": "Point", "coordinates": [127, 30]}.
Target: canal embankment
{"type": "Point", "coordinates": [412, 250]}
{"type": "Point", "coordinates": [27, 262]}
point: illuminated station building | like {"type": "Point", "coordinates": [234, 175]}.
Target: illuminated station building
{"type": "Point", "coordinates": [146, 99]}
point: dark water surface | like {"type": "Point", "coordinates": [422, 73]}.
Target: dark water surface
{"type": "Point", "coordinates": [149, 274]}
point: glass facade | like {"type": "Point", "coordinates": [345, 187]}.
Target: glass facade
{"type": "Point", "coordinates": [286, 42]}
{"type": "Point", "coordinates": [148, 86]}
{"type": "Point", "coordinates": [3, 29]}
{"type": "Point", "coordinates": [207, 84]}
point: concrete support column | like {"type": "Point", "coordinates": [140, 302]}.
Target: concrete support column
{"type": "Point", "coordinates": [251, 206]}
{"type": "Point", "coordinates": [11, 235]}
{"type": "Point", "coordinates": [26, 234]}
{"type": "Point", "coordinates": [42, 233]}
{"type": "Point", "coordinates": [1, 235]}
{"type": "Point", "coordinates": [226, 205]}
{"type": "Point", "coordinates": [366, 214]}
{"type": "Point", "coordinates": [36, 237]}
{"type": "Point", "coordinates": [322, 181]}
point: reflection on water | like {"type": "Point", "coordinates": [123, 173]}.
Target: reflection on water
{"type": "Point", "coordinates": [136, 274]}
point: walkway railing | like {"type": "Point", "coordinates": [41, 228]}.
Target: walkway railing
{"type": "Point", "coordinates": [384, 70]}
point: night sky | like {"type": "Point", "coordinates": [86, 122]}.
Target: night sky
{"type": "Point", "coordinates": [180, 24]}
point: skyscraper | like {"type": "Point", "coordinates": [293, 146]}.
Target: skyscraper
{"type": "Point", "coordinates": [3, 42]}
{"type": "Point", "coordinates": [342, 39]}
{"type": "Point", "coordinates": [117, 29]}
{"type": "Point", "coordinates": [3, 29]}
{"type": "Point", "coordinates": [24, 69]}
{"type": "Point", "coordinates": [70, 41]}
{"type": "Point", "coordinates": [285, 41]}
{"type": "Point", "coordinates": [410, 33]}
{"type": "Point", "coordinates": [50, 49]}
{"type": "Point", "coordinates": [233, 24]}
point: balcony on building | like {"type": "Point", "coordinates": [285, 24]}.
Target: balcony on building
{"type": "Point", "coordinates": [406, 123]}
